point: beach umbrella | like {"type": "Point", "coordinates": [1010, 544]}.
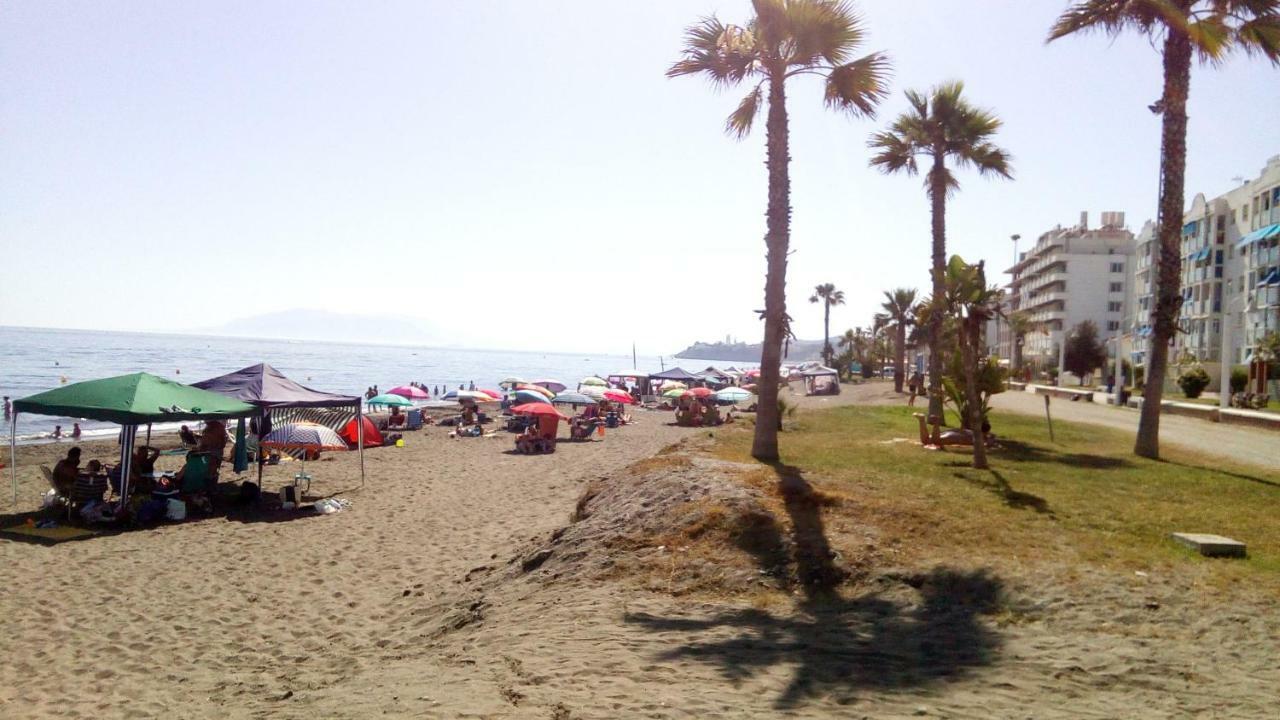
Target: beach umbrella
{"type": "Point", "coordinates": [699, 392]}
{"type": "Point", "coordinates": [672, 385]}
{"type": "Point", "coordinates": [554, 386]}
{"type": "Point", "coordinates": [733, 395]}
{"type": "Point", "coordinates": [304, 436]}
{"type": "Point", "coordinates": [749, 387]}
{"type": "Point", "coordinates": [674, 393]}
{"type": "Point", "coordinates": [618, 396]}
{"type": "Point", "coordinates": [410, 392]}
{"type": "Point", "coordinates": [529, 396]}
{"type": "Point", "coordinates": [474, 396]}
{"type": "Point", "coordinates": [755, 372]}
{"type": "Point", "coordinates": [388, 399]}
{"type": "Point", "coordinates": [491, 393]}
{"type": "Point", "coordinates": [594, 392]}
{"type": "Point", "coordinates": [573, 398]}
{"type": "Point", "coordinates": [592, 381]}
{"type": "Point", "coordinates": [538, 389]}
{"type": "Point", "coordinates": [538, 408]}
{"type": "Point", "coordinates": [510, 381]}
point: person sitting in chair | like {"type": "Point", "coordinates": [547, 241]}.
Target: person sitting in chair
{"type": "Point", "coordinates": [66, 471]}
{"type": "Point", "coordinates": [397, 419]}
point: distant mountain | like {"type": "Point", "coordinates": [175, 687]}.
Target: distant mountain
{"type": "Point", "coordinates": [302, 324]}
{"type": "Point", "coordinates": [800, 350]}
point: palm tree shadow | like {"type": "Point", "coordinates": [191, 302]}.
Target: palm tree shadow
{"type": "Point", "coordinates": [842, 645]}
{"type": "Point", "coordinates": [1015, 499]}
{"type": "Point", "coordinates": [1018, 451]}
{"type": "Point", "coordinates": [1228, 473]}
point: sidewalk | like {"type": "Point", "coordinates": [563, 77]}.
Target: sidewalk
{"type": "Point", "coordinates": [1232, 442]}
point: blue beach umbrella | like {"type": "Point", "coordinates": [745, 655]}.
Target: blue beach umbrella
{"type": "Point", "coordinates": [731, 395]}
{"type": "Point", "coordinates": [529, 396]}
{"type": "Point", "coordinates": [572, 398]}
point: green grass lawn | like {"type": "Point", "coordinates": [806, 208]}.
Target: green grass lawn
{"type": "Point", "coordinates": [1082, 498]}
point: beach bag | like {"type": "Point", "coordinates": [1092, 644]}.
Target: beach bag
{"type": "Point", "coordinates": [175, 509]}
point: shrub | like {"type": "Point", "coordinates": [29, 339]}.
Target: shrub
{"type": "Point", "coordinates": [1239, 379]}
{"type": "Point", "coordinates": [1193, 382]}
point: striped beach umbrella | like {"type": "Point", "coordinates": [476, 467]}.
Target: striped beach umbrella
{"type": "Point", "coordinates": [529, 396]}
{"type": "Point", "coordinates": [592, 381]}
{"type": "Point", "coordinates": [304, 436]}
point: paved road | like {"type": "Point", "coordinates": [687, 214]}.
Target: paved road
{"type": "Point", "coordinates": [1242, 444]}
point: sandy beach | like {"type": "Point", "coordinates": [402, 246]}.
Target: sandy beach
{"type": "Point", "coordinates": [467, 582]}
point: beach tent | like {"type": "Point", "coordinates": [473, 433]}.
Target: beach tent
{"type": "Point", "coordinates": [821, 380]}
{"type": "Point", "coordinates": [677, 374]}
{"type": "Point", "coordinates": [268, 390]}
{"type": "Point", "coordinates": [129, 401]}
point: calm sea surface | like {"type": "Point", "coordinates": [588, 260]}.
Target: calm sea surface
{"type": "Point", "coordinates": [34, 360]}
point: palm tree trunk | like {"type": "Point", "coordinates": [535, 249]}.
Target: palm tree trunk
{"type": "Point", "coordinates": [826, 333]}
{"type": "Point", "coordinates": [938, 215]}
{"type": "Point", "coordinates": [900, 359]}
{"type": "Point", "coordinates": [970, 359]}
{"type": "Point", "coordinates": [778, 237]}
{"type": "Point", "coordinates": [1173, 165]}
{"type": "Point", "coordinates": [1017, 357]}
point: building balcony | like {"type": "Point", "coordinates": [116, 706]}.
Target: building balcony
{"type": "Point", "coordinates": [1044, 317]}
{"type": "Point", "coordinates": [1039, 301]}
{"type": "Point", "coordinates": [1043, 281]}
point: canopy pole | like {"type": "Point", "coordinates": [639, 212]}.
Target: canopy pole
{"type": "Point", "coordinates": [262, 418]}
{"type": "Point", "coordinates": [13, 452]}
{"type": "Point", "coordinates": [148, 434]}
{"type": "Point", "coordinates": [360, 438]}
{"type": "Point", "coordinates": [130, 433]}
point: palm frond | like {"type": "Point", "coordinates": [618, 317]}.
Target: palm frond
{"type": "Point", "coordinates": [858, 87]}
{"type": "Point", "coordinates": [740, 121]}
{"type": "Point", "coordinates": [821, 31]}
{"type": "Point", "coordinates": [894, 153]}
{"type": "Point", "coordinates": [724, 53]}
{"type": "Point", "coordinates": [1261, 34]}
{"type": "Point", "coordinates": [1110, 17]}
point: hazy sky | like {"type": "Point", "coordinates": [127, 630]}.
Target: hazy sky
{"type": "Point", "coordinates": [521, 174]}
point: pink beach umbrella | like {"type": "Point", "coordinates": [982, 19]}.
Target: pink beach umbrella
{"type": "Point", "coordinates": [618, 396]}
{"type": "Point", "coordinates": [410, 392]}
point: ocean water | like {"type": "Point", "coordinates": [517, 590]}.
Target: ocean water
{"type": "Point", "coordinates": [34, 360]}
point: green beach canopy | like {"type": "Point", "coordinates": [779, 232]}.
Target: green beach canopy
{"type": "Point", "coordinates": [135, 399]}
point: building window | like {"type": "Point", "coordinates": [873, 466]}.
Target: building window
{"type": "Point", "coordinates": [1113, 307]}
{"type": "Point", "coordinates": [1113, 325]}
{"type": "Point", "coordinates": [1117, 287]}
{"type": "Point", "coordinates": [1117, 267]}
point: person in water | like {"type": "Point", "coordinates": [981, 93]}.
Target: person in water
{"type": "Point", "coordinates": [75, 431]}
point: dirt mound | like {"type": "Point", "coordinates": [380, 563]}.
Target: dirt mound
{"type": "Point", "coordinates": [681, 522]}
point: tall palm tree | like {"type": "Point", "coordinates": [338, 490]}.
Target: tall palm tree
{"type": "Point", "coordinates": [785, 39]}
{"type": "Point", "coordinates": [941, 126]}
{"type": "Point", "coordinates": [900, 306]}
{"type": "Point", "coordinates": [828, 295]}
{"type": "Point", "coordinates": [1183, 28]}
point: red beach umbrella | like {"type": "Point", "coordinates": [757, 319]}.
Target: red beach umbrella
{"type": "Point", "coordinates": [491, 393]}
{"type": "Point", "coordinates": [700, 392]}
{"type": "Point", "coordinates": [409, 392]}
{"type": "Point", "coordinates": [618, 396]}
{"type": "Point", "coordinates": [538, 409]}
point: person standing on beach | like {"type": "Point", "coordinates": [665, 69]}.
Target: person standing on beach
{"type": "Point", "coordinates": [8, 409]}
{"type": "Point", "coordinates": [75, 431]}
{"type": "Point", "coordinates": [473, 385]}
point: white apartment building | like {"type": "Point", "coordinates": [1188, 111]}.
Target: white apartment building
{"type": "Point", "coordinates": [1230, 248]}
{"type": "Point", "coordinates": [1070, 275]}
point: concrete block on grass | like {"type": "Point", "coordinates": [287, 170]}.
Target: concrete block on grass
{"type": "Point", "coordinates": [1211, 545]}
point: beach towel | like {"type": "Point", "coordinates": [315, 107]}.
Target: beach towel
{"type": "Point", "coordinates": [48, 535]}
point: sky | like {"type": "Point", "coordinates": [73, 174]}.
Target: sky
{"type": "Point", "coordinates": [519, 174]}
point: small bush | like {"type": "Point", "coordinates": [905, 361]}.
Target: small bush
{"type": "Point", "coordinates": [1239, 379]}
{"type": "Point", "coordinates": [1193, 382]}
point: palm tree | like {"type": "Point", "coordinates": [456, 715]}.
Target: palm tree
{"type": "Point", "coordinates": [828, 295]}
{"type": "Point", "coordinates": [1019, 325]}
{"type": "Point", "coordinates": [940, 126]}
{"type": "Point", "coordinates": [785, 39]}
{"type": "Point", "coordinates": [900, 306]}
{"type": "Point", "coordinates": [1209, 29]}
{"type": "Point", "coordinates": [972, 303]}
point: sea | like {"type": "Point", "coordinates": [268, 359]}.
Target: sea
{"type": "Point", "coordinates": [33, 360]}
